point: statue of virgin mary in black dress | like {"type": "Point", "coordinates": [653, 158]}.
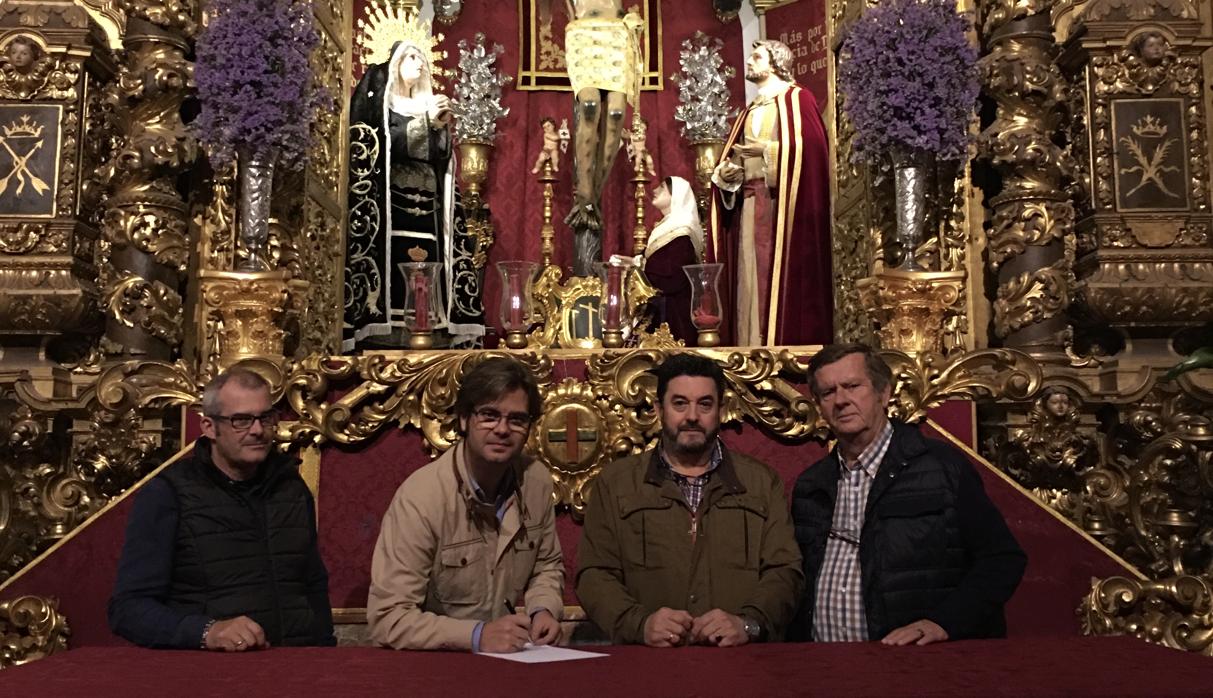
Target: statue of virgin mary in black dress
{"type": "Point", "coordinates": [403, 200]}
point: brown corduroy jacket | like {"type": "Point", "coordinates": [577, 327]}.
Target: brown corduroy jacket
{"type": "Point", "coordinates": [642, 548]}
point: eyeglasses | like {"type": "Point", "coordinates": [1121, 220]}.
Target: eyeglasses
{"type": "Point", "coordinates": [244, 422]}
{"type": "Point", "coordinates": [489, 418]}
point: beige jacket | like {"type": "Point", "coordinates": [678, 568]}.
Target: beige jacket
{"type": "Point", "coordinates": [439, 569]}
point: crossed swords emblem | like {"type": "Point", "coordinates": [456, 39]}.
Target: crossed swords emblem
{"type": "Point", "coordinates": [14, 134]}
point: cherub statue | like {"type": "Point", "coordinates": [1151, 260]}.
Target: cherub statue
{"type": "Point", "coordinates": [638, 150]}
{"type": "Point", "coordinates": [553, 143]}
{"type": "Point", "coordinates": [22, 54]}
{"type": "Point", "coordinates": [1151, 48]}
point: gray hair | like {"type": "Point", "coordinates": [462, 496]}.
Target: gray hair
{"type": "Point", "coordinates": [878, 371]}
{"type": "Point", "coordinates": [781, 58]}
{"type": "Point", "coordinates": [242, 377]}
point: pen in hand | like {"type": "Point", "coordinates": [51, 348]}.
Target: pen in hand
{"type": "Point", "coordinates": [509, 607]}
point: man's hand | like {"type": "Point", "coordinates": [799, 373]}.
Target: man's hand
{"type": "Point", "coordinates": [731, 173]}
{"type": "Point", "coordinates": [719, 628]}
{"type": "Point", "coordinates": [236, 635]}
{"type": "Point", "coordinates": [922, 632]}
{"type": "Point", "coordinates": [667, 627]}
{"type": "Point", "coordinates": [750, 150]}
{"type": "Point", "coordinates": [506, 634]}
{"type": "Point", "coordinates": [545, 629]}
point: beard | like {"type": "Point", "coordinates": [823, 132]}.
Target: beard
{"type": "Point", "coordinates": [757, 75]}
{"type": "Point", "coordinates": [693, 446]}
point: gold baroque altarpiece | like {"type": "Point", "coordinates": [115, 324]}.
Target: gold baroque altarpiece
{"type": "Point", "coordinates": [1063, 291]}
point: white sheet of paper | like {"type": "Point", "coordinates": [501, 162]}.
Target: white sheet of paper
{"type": "Point", "coordinates": [544, 653]}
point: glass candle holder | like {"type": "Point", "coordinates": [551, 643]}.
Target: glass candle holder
{"type": "Point", "coordinates": [421, 301]}
{"type": "Point", "coordinates": [615, 276]}
{"type": "Point", "coordinates": [706, 311]}
{"type": "Point", "coordinates": [517, 300]}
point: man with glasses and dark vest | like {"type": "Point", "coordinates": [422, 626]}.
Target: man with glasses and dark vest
{"type": "Point", "coordinates": [220, 549]}
{"type": "Point", "coordinates": [470, 538]}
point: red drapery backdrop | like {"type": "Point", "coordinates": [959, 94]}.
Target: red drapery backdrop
{"type": "Point", "coordinates": [802, 26]}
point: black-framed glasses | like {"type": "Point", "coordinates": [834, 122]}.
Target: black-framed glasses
{"type": "Point", "coordinates": [489, 418]}
{"type": "Point", "coordinates": [244, 422]}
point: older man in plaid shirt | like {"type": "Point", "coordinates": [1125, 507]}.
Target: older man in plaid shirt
{"type": "Point", "coordinates": [900, 541]}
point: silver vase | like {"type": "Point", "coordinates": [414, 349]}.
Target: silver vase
{"type": "Point", "coordinates": [256, 168]}
{"type": "Point", "coordinates": [911, 174]}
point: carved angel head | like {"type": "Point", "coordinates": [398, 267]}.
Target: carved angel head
{"type": "Point", "coordinates": [23, 53]}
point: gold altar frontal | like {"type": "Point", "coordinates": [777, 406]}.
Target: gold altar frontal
{"type": "Point", "coordinates": [1062, 285]}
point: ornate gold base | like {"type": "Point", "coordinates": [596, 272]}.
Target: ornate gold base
{"type": "Point", "coordinates": [709, 338]}
{"type": "Point", "coordinates": [249, 311]}
{"type": "Point", "coordinates": [421, 340]}
{"type": "Point", "coordinates": [911, 306]}
{"type": "Point", "coordinates": [515, 339]}
{"type": "Point", "coordinates": [612, 339]}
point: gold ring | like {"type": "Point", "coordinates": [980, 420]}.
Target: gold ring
{"type": "Point", "coordinates": [239, 642]}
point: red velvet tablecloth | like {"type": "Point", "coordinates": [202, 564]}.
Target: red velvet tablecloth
{"type": "Point", "coordinates": [1052, 667]}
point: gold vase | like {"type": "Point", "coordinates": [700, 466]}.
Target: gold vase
{"type": "Point", "coordinates": [707, 154]}
{"type": "Point", "coordinates": [474, 157]}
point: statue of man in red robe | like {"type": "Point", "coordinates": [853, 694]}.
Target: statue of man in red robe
{"type": "Point", "coordinates": [770, 213]}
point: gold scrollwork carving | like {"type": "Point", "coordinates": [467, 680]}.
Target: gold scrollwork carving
{"type": "Point", "coordinates": [1175, 612]}
{"type": "Point", "coordinates": [559, 302]}
{"type": "Point", "coordinates": [31, 628]}
{"type": "Point", "coordinates": [1096, 10]}
{"type": "Point", "coordinates": [49, 78]}
{"type": "Point", "coordinates": [155, 226]}
{"type": "Point", "coordinates": [22, 238]}
{"type": "Point", "coordinates": [417, 390]}
{"type": "Point", "coordinates": [762, 386]}
{"type": "Point", "coordinates": [1032, 297]}
{"type": "Point", "coordinates": [1001, 12]}
{"type": "Point", "coordinates": [145, 385]}
{"type": "Point", "coordinates": [1145, 499]}
{"type": "Point", "coordinates": [1034, 222]}
{"type": "Point", "coordinates": [135, 302]}
{"type": "Point", "coordinates": [927, 379]}
{"type": "Point", "coordinates": [1172, 287]}
{"type": "Point", "coordinates": [174, 15]}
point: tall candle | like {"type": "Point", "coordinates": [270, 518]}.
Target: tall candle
{"type": "Point", "coordinates": [515, 302]}
{"type": "Point", "coordinates": [614, 281]}
{"type": "Point", "coordinates": [421, 297]}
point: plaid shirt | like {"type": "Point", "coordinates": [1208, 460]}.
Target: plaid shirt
{"type": "Point", "coordinates": [693, 487]}
{"type": "Point", "coordinates": [840, 616]}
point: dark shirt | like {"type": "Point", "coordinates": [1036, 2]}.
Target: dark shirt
{"type": "Point", "coordinates": [137, 609]}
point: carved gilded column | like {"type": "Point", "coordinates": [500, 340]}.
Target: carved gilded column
{"type": "Point", "coordinates": [1031, 243]}
{"type": "Point", "coordinates": [144, 249]}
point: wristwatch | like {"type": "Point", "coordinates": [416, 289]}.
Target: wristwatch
{"type": "Point", "coordinates": [752, 629]}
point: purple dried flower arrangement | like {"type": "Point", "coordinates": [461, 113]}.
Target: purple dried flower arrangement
{"type": "Point", "coordinates": [254, 80]}
{"type": "Point", "coordinates": [908, 78]}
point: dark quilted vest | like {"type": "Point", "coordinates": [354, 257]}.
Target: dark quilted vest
{"type": "Point", "coordinates": [910, 550]}
{"type": "Point", "coordinates": [244, 550]}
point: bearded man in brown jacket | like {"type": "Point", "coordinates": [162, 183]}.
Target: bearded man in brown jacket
{"type": "Point", "coordinates": [689, 543]}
